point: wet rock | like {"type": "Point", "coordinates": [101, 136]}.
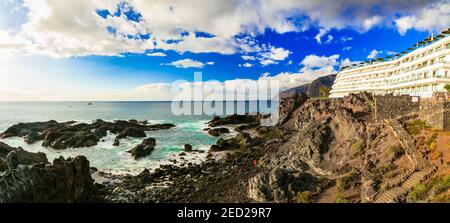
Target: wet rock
{"type": "Point", "coordinates": [187, 148]}
{"type": "Point", "coordinates": [234, 119]}
{"type": "Point", "coordinates": [241, 141]}
{"type": "Point", "coordinates": [32, 137]}
{"type": "Point", "coordinates": [218, 131]}
{"type": "Point", "coordinates": [130, 132]}
{"type": "Point", "coordinates": [144, 149]}
{"type": "Point", "coordinates": [75, 135]}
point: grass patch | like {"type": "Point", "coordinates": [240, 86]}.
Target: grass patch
{"type": "Point", "coordinates": [357, 148]}
{"type": "Point", "coordinates": [415, 127]}
{"type": "Point", "coordinates": [348, 181]}
{"type": "Point", "coordinates": [303, 197]}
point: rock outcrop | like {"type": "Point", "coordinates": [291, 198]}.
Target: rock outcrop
{"type": "Point", "coordinates": [22, 156]}
{"type": "Point", "coordinates": [66, 180]}
{"type": "Point", "coordinates": [218, 131]}
{"type": "Point", "coordinates": [241, 141]}
{"type": "Point", "coordinates": [75, 135]}
{"type": "Point", "coordinates": [235, 119]}
{"type": "Point", "coordinates": [324, 130]}
{"type": "Point", "coordinates": [311, 89]}
{"type": "Point", "coordinates": [144, 149]}
{"type": "Point", "coordinates": [278, 185]}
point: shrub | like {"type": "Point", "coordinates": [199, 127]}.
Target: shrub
{"type": "Point", "coordinates": [323, 183]}
{"type": "Point", "coordinates": [447, 87]}
{"type": "Point", "coordinates": [341, 199]}
{"type": "Point", "coordinates": [432, 139]}
{"type": "Point", "coordinates": [418, 192]}
{"type": "Point", "coordinates": [435, 155]}
{"type": "Point", "coordinates": [397, 151]}
{"type": "Point", "coordinates": [357, 148]}
{"type": "Point", "coordinates": [302, 197]}
{"type": "Point", "coordinates": [345, 182]}
{"type": "Point", "coordinates": [415, 127]}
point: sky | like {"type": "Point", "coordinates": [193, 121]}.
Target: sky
{"type": "Point", "coordinates": [61, 50]}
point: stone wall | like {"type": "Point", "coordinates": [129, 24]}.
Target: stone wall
{"type": "Point", "coordinates": [436, 113]}
{"type": "Point", "coordinates": [390, 106]}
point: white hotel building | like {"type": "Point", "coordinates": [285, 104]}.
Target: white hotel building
{"type": "Point", "coordinates": [420, 72]}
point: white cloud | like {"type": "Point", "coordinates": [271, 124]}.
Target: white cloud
{"type": "Point", "coordinates": [64, 28]}
{"type": "Point", "coordinates": [433, 18]}
{"type": "Point", "coordinates": [314, 61]}
{"type": "Point", "coordinates": [371, 22]}
{"type": "Point", "coordinates": [247, 57]}
{"type": "Point", "coordinates": [246, 65]}
{"type": "Point", "coordinates": [266, 62]}
{"type": "Point", "coordinates": [210, 63]}
{"type": "Point", "coordinates": [373, 54]}
{"type": "Point", "coordinates": [348, 62]}
{"type": "Point", "coordinates": [187, 63]}
{"type": "Point", "coordinates": [347, 48]}
{"type": "Point", "coordinates": [319, 36]}
{"type": "Point", "coordinates": [272, 55]}
{"type": "Point", "coordinates": [329, 39]}
{"type": "Point", "coordinates": [157, 54]}
{"type": "Point", "coordinates": [345, 39]}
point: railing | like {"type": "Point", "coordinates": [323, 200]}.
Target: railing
{"type": "Point", "coordinates": [403, 177]}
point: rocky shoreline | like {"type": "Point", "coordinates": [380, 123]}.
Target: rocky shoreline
{"type": "Point", "coordinates": [322, 150]}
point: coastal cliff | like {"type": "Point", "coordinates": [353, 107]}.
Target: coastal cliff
{"type": "Point", "coordinates": [322, 150]}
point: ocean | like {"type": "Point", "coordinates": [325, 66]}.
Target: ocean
{"type": "Point", "coordinates": [115, 159]}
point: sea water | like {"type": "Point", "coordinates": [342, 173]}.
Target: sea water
{"type": "Point", "coordinates": [105, 156]}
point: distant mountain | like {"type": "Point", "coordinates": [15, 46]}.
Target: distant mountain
{"type": "Point", "coordinates": [311, 89]}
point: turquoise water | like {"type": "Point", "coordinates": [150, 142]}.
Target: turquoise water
{"type": "Point", "coordinates": [188, 130]}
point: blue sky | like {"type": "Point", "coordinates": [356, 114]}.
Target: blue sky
{"type": "Point", "coordinates": [132, 50]}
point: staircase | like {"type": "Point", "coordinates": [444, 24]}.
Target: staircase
{"type": "Point", "coordinates": [419, 171]}
{"type": "Point", "coordinates": [392, 195]}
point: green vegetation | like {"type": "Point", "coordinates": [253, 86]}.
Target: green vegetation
{"type": "Point", "coordinates": [274, 133]}
{"type": "Point", "coordinates": [418, 192]}
{"type": "Point", "coordinates": [324, 92]}
{"type": "Point", "coordinates": [432, 139]}
{"type": "Point", "coordinates": [323, 183]}
{"type": "Point", "coordinates": [437, 188]}
{"type": "Point", "coordinates": [342, 199]}
{"type": "Point", "coordinates": [447, 87]}
{"type": "Point", "coordinates": [397, 151]}
{"type": "Point", "coordinates": [357, 148]}
{"type": "Point", "coordinates": [415, 127]}
{"type": "Point", "coordinates": [382, 172]}
{"type": "Point", "coordinates": [347, 181]}
{"type": "Point", "coordinates": [302, 197]}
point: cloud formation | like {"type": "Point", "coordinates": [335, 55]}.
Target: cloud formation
{"type": "Point", "coordinates": [188, 63]}
{"type": "Point", "coordinates": [66, 28]}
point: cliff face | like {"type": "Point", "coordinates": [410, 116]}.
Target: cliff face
{"type": "Point", "coordinates": [311, 89]}
{"type": "Point", "coordinates": [29, 177]}
{"type": "Point", "coordinates": [332, 139]}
